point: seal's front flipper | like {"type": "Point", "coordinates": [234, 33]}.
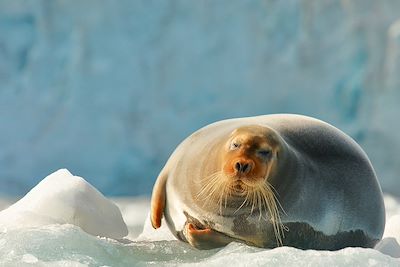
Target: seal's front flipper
{"type": "Point", "coordinates": [205, 238]}
{"type": "Point", "coordinates": [158, 200]}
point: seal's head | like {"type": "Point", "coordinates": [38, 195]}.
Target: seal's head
{"type": "Point", "coordinates": [242, 182]}
{"type": "Point", "coordinates": [250, 157]}
{"type": "Point", "coordinates": [248, 162]}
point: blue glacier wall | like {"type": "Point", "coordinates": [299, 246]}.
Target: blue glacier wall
{"type": "Point", "coordinates": [107, 89]}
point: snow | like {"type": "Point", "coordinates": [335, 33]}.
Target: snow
{"type": "Point", "coordinates": [66, 199]}
{"type": "Point", "coordinates": [68, 245]}
{"type": "Point", "coordinates": [393, 228]}
{"type": "Point", "coordinates": [40, 242]}
{"type": "Point", "coordinates": [390, 244]}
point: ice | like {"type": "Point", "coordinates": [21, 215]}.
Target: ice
{"type": "Point", "coordinates": [54, 243]}
{"type": "Point", "coordinates": [393, 228]}
{"type": "Point", "coordinates": [391, 238]}
{"type": "Point", "coordinates": [29, 258]}
{"type": "Point", "coordinates": [134, 212]}
{"type": "Point", "coordinates": [66, 199]}
{"type": "Point", "coordinates": [45, 243]}
{"type": "Point", "coordinates": [67, 245]}
{"type": "Point", "coordinates": [390, 243]}
{"type": "Point", "coordinates": [389, 246]}
{"type": "Point", "coordinates": [149, 234]}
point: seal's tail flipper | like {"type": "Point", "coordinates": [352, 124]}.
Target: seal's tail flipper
{"type": "Point", "coordinates": [158, 200]}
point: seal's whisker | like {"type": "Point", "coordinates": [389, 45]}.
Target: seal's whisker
{"type": "Point", "coordinates": [206, 189]}
{"type": "Point", "coordinates": [207, 182]}
{"type": "Point", "coordinates": [226, 198]}
{"type": "Point", "coordinates": [213, 190]}
{"type": "Point", "coordinates": [226, 195]}
{"type": "Point", "coordinates": [222, 195]}
{"type": "Point", "coordinates": [275, 194]}
{"type": "Point", "coordinates": [259, 202]}
{"type": "Point", "coordinates": [212, 175]}
{"type": "Point", "coordinates": [243, 203]}
{"type": "Point", "coordinates": [253, 200]}
{"type": "Point", "coordinates": [272, 212]}
{"type": "Point", "coordinates": [211, 184]}
{"type": "Point", "coordinates": [271, 202]}
{"type": "Point", "coordinates": [273, 188]}
{"type": "Point", "coordinates": [219, 202]}
{"type": "Point", "coordinates": [207, 194]}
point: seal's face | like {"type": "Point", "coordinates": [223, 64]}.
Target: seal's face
{"type": "Point", "coordinates": [249, 157]}
{"type": "Point", "coordinates": [241, 184]}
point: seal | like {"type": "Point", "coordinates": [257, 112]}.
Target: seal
{"type": "Point", "coordinates": [268, 181]}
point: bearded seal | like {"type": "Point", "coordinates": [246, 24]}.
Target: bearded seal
{"type": "Point", "coordinates": [268, 181]}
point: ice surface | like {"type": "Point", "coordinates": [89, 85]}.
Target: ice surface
{"type": "Point", "coordinates": [390, 244]}
{"type": "Point", "coordinates": [66, 244]}
{"type": "Point", "coordinates": [66, 199]}
{"type": "Point", "coordinates": [134, 212]}
{"type": "Point", "coordinates": [393, 228]}
{"type": "Point", "coordinates": [149, 234]}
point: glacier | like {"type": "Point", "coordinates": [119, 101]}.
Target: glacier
{"type": "Point", "coordinates": [109, 93]}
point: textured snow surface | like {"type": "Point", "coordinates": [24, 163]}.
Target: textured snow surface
{"type": "Point", "coordinates": [110, 93]}
{"type": "Point", "coordinates": [67, 245]}
{"type": "Point", "coordinates": [66, 199]}
{"type": "Point", "coordinates": [390, 244]}
{"type": "Point", "coordinates": [47, 236]}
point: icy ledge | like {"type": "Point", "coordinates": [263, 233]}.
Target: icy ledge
{"type": "Point", "coordinates": [62, 198]}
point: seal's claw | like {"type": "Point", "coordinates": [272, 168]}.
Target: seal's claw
{"type": "Point", "coordinates": [205, 238]}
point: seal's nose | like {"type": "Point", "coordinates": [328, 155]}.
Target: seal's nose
{"type": "Point", "coordinates": [243, 166]}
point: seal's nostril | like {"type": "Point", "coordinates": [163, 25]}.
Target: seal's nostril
{"type": "Point", "coordinates": [245, 167]}
{"type": "Point", "coordinates": [238, 166]}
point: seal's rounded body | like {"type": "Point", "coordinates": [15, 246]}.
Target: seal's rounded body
{"type": "Point", "coordinates": [325, 191]}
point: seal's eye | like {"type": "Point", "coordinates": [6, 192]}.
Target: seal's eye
{"type": "Point", "coordinates": [264, 153]}
{"type": "Point", "coordinates": [234, 146]}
